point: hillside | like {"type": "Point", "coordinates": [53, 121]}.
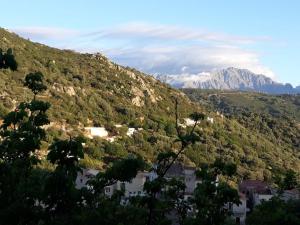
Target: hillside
{"type": "Point", "coordinates": [83, 86]}
{"type": "Point", "coordinates": [276, 118]}
{"type": "Point", "coordinates": [89, 90]}
{"type": "Point", "coordinates": [279, 106]}
{"type": "Point", "coordinates": [230, 79]}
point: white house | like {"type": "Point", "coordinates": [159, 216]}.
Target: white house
{"type": "Point", "coordinates": [187, 175]}
{"type": "Point", "coordinates": [256, 191]}
{"type": "Point", "coordinates": [136, 186]}
{"type": "Point", "coordinates": [92, 132]}
{"type": "Point", "coordinates": [133, 188]}
{"type": "Point", "coordinates": [259, 198]}
{"type": "Point", "coordinates": [110, 190]}
{"type": "Point", "coordinates": [84, 176]}
{"type": "Point", "coordinates": [190, 181]}
{"type": "Point", "coordinates": [292, 194]}
{"type": "Point", "coordinates": [239, 211]}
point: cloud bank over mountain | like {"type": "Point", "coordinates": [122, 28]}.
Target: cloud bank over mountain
{"type": "Point", "coordinates": [158, 48]}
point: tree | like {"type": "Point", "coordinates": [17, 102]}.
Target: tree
{"type": "Point", "coordinates": [212, 195]}
{"type": "Point", "coordinates": [34, 81]}
{"type": "Point", "coordinates": [61, 198]}
{"type": "Point", "coordinates": [158, 208]}
{"type": "Point", "coordinates": [7, 60]}
{"type": "Point", "coordinates": [66, 155]}
{"type": "Point", "coordinates": [101, 209]}
{"type": "Point", "coordinates": [122, 170]}
{"type": "Point", "coordinates": [21, 135]}
{"type": "Point", "coordinates": [290, 180]}
{"type": "Point", "coordinates": [275, 212]}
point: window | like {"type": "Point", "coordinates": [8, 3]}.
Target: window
{"type": "Point", "coordinates": [107, 189]}
{"type": "Point", "coordinates": [122, 186]}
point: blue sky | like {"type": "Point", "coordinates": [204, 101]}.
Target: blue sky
{"type": "Point", "coordinates": [169, 37]}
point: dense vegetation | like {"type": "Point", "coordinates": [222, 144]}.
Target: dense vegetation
{"type": "Point", "coordinates": [40, 189]}
{"type": "Point", "coordinates": [29, 195]}
{"type": "Point", "coordinates": [89, 90]}
{"type": "Point", "coordinates": [275, 212]}
{"type": "Point", "coordinates": [273, 121]}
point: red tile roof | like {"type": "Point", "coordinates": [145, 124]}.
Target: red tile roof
{"type": "Point", "coordinates": [256, 186]}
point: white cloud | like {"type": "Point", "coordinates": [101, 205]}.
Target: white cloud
{"type": "Point", "coordinates": [170, 33]}
{"type": "Point", "coordinates": [45, 33]}
{"type": "Point", "coordinates": [189, 59]}
{"type": "Point", "coordinates": [163, 49]}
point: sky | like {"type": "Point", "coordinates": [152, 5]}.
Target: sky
{"type": "Point", "coordinates": [169, 36]}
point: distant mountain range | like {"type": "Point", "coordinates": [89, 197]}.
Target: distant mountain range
{"type": "Point", "coordinates": [230, 79]}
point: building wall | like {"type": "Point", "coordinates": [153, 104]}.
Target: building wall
{"type": "Point", "coordinates": [136, 186]}
{"type": "Point", "coordinates": [290, 195]}
{"type": "Point", "coordinates": [239, 211]}
{"type": "Point", "coordinates": [84, 176]}
{"type": "Point", "coordinates": [190, 180]}
{"type": "Point", "coordinates": [258, 198]}
{"type": "Point", "coordinates": [96, 131]}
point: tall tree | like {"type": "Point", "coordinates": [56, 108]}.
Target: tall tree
{"type": "Point", "coordinates": [21, 136]}
{"type": "Point", "coordinates": [61, 198]}
{"type": "Point", "coordinates": [158, 208]}
{"type": "Point", "coordinates": [212, 194]}
{"type": "Point", "coordinates": [7, 60]}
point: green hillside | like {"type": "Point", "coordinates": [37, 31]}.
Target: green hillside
{"type": "Point", "coordinates": [84, 86]}
{"type": "Point", "coordinates": [89, 90]}
{"type": "Point", "coordinates": [276, 119]}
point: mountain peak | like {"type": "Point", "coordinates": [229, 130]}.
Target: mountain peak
{"type": "Point", "coordinates": [231, 78]}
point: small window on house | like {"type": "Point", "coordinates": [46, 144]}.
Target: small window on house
{"type": "Point", "coordinates": [122, 186]}
{"type": "Point", "coordinates": [230, 206]}
{"type": "Point", "coordinates": [107, 190]}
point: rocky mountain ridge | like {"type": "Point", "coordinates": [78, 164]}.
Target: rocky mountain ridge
{"type": "Point", "coordinates": [230, 79]}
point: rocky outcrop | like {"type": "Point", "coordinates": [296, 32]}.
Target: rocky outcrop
{"type": "Point", "coordinates": [64, 89]}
